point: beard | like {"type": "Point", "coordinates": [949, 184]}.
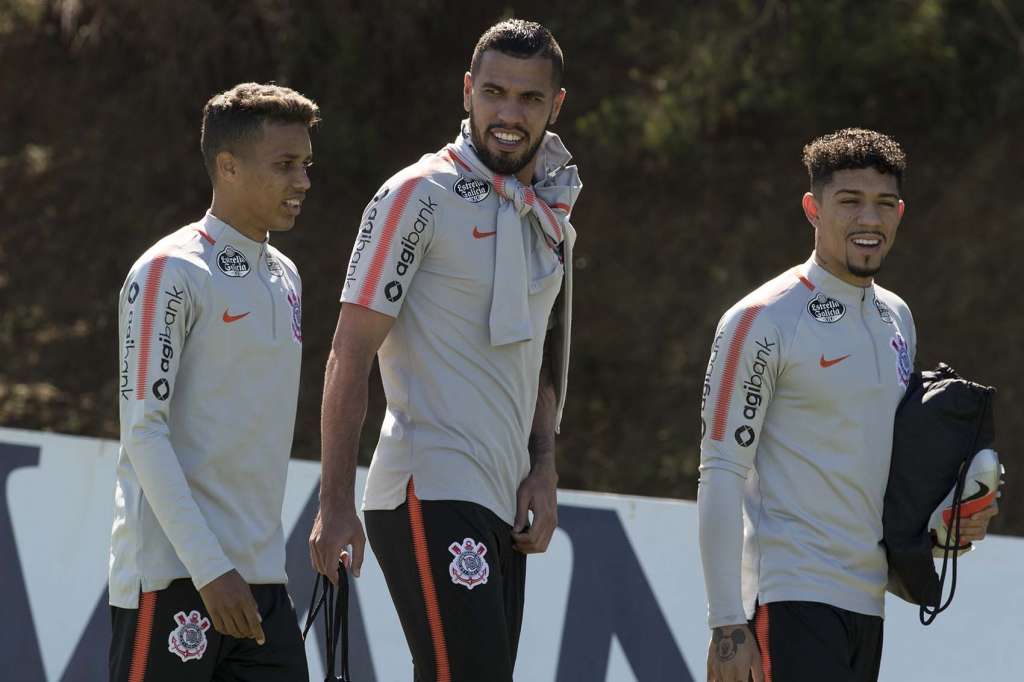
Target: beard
{"type": "Point", "coordinates": [502, 164]}
{"type": "Point", "coordinates": [864, 270]}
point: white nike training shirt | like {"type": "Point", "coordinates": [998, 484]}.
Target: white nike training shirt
{"type": "Point", "coordinates": [797, 414]}
{"type": "Point", "coordinates": [210, 340]}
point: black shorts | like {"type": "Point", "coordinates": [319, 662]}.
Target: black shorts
{"type": "Point", "coordinates": [171, 638]}
{"type": "Point", "coordinates": [802, 641]}
{"type": "Point", "coordinates": [457, 584]}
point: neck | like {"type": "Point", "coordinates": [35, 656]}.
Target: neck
{"type": "Point", "coordinates": [525, 174]}
{"type": "Point", "coordinates": [234, 215]}
{"type": "Point", "coordinates": [842, 273]}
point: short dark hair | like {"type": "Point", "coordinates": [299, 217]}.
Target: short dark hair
{"type": "Point", "coordinates": [522, 39]}
{"type": "Point", "coordinates": [852, 148]}
{"type": "Point", "coordinates": [235, 115]}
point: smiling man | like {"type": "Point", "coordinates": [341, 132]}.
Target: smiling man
{"type": "Point", "coordinates": [460, 283]}
{"type": "Point", "coordinates": [797, 416]}
{"type": "Point", "coordinates": [210, 345]}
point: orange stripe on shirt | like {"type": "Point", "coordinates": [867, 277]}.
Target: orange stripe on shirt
{"type": "Point", "coordinates": [419, 540]}
{"type": "Point", "coordinates": [143, 633]}
{"type": "Point", "coordinates": [732, 362]}
{"type": "Point", "coordinates": [763, 642]}
{"type": "Point", "coordinates": [380, 254]}
{"type": "Point", "coordinates": [149, 299]}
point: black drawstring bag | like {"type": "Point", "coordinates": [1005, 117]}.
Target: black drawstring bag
{"type": "Point", "coordinates": [942, 421]}
{"type": "Point", "coordinates": [335, 622]}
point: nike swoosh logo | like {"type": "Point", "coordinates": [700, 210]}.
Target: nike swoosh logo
{"type": "Point", "coordinates": [828, 363]}
{"type": "Point", "coordinates": [229, 318]}
{"type": "Point", "coordinates": [477, 234]}
{"type": "Point", "coordinates": [969, 506]}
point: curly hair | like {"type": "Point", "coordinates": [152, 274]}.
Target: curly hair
{"type": "Point", "coordinates": [522, 39]}
{"type": "Point", "coordinates": [236, 115]}
{"type": "Point", "coordinates": [852, 148]}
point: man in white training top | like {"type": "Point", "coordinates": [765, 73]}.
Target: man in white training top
{"type": "Point", "coordinates": [452, 281]}
{"type": "Point", "coordinates": [797, 413]}
{"type": "Point", "coordinates": [210, 346]}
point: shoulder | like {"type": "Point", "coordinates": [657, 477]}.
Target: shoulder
{"type": "Point", "coordinates": [778, 303]}
{"type": "Point", "coordinates": [431, 179]}
{"type": "Point", "coordinates": [894, 301]}
{"type": "Point", "coordinates": [183, 252]}
{"type": "Point", "coordinates": [287, 262]}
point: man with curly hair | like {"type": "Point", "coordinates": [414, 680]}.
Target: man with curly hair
{"type": "Point", "coordinates": [797, 413]}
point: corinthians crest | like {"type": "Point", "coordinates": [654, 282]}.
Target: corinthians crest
{"type": "Point", "coordinates": [188, 640]}
{"type": "Point", "coordinates": [469, 567]}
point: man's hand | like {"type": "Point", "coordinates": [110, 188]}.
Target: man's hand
{"type": "Point", "coordinates": [733, 655]}
{"type": "Point", "coordinates": [332, 533]}
{"type": "Point", "coordinates": [973, 528]}
{"type": "Point", "coordinates": [232, 608]}
{"type": "Point", "coordinates": [537, 493]}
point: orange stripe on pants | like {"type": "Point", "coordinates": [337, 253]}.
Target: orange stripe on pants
{"type": "Point", "coordinates": [419, 541]}
{"type": "Point", "coordinates": [761, 632]}
{"type": "Point", "coordinates": [143, 632]}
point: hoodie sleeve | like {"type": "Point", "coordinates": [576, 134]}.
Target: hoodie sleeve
{"type": "Point", "coordinates": [157, 308]}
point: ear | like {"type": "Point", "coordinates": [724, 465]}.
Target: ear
{"type": "Point", "coordinates": [227, 166]}
{"type": "Point", "coordinates": [556, 108]}
{"type": "Point", "coordinates": [902, 209]}
{"type": "Point", "coordinates": [467, 91]}
{"type": "Point", "coordinates": [810, 205]}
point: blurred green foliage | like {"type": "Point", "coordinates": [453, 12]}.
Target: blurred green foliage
{"type": "Point", "coordinates": [687, 119]}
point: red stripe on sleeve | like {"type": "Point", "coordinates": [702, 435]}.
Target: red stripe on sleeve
{"type": "Point", "coordinates": [380, 254]}
{"type": "Point", "coordinates": [455, 157]}
{"type": "Point", "coordinates": [143, 633]}
{"type": "Point", "coordinates": [149, 299]}
{"type": "Point", "coordinates": [732, 362]}
{"type": "Point", "coordinates": [419, 540]}
{"type": "Point", "coordinates": [763, 642]}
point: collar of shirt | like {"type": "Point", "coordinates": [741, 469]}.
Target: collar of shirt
{"type": "Point", "coordinates": [223, 234]}
{"type": "Point", "coordinates": [827, 283]}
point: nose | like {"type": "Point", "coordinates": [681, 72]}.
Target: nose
{"type": "Point", "coordinates": [302, 179]}
{"type": "Point", "coordinates": [870, 216]}
{"type": "Point", "coordinates": [511, 112]}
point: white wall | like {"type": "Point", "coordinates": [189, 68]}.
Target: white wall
{"type": "Point", "coordinates": [60, 511]}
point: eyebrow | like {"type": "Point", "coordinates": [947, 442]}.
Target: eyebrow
{"type": "Point", "coordinates": [531, 93]}
{"type": "Point", "coordinates": [857, 192]}
{"type": "Point", "coordinates": [291, 157]}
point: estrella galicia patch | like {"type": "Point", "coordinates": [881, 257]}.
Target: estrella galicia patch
{"type": "Point", "coordinates": [472, 190]}
{"type": "Point", "coordinates": [188, 640]}
{"type": "Point", "coordinates": [826, 309]}
{"type": "Point", "coordinates": [232, 262]}
{"type": "Point", "coordinates": [133, 292]}
{"type": "Point", "coordinates": [393, 290]}
{"type": "Point", "coordinates": [883, 311]}
{"type": "Point", "coordinates": [161, 389]}
{"type": "Point", "coordinates": [903, 366]}
{"type": "Point", "coordinates": [469, 567]}
{"type": "Point", "coordinates": [274, 266]}
{"type": "Point", "coordinates": [744, 436]}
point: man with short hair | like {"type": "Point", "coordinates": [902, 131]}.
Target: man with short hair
{"type": "Point", "coordinates": [210, 344]}
{"type": "Point", "coordinates": [452, 281]}
{"type": "Point", "coordinates": [797, 414]}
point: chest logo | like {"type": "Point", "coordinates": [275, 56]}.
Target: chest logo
{"type": "Point", "coordinates": [188, 640]}
{"type": "Point", "coordinates": [229, 318]}
{"type": "Point", "coordinates": [472, 190]}
{"type": "Point", "coordinates": [828, 363]}
{"type": "Point", "coordinates": [274, 266]}
{"type": "Point", "coordinates": [469, 567]}
{"type": "Point", "coordinates": [232, 263]}
{"type": "Point", "coordinates": [825, 309]}
{"type": "Point", "coordinates": [903, 366]}
{"type": "Point", "coordinates": [477, 234]}
{"type": "Point", "coordinates": [296, 304]}
{"type": "Point", "coordinates": [883, 311]}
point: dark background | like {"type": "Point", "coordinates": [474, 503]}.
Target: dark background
{"type": "Point", "coordinates": [687, 119]}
